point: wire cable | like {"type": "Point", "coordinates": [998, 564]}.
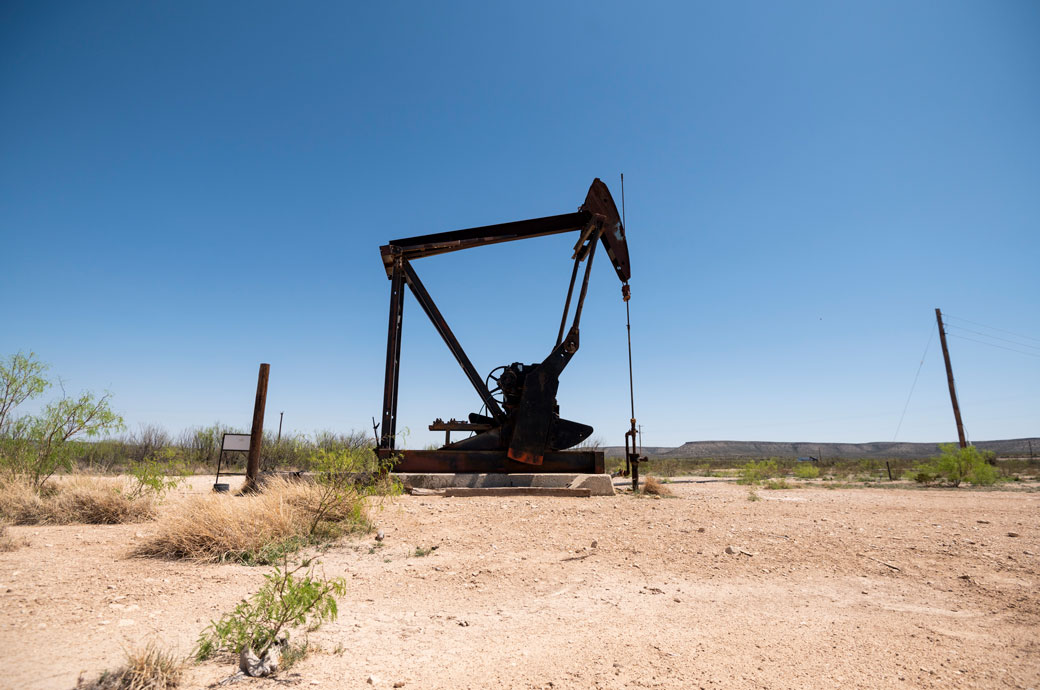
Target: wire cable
{"type": "Point", "coordinates": [931, 334]}
{"type": "Point", "coordinates": [992, 328]}
{"type": "Point", "coordinates": [983, 342]}
{"type": "Point", "coordinates": [995, 337]}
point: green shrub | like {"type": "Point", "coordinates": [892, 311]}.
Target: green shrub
{"type": "Point", "coordinates": [922, 477]}
{"type": "Point", "coordinates": [35, 446]}
{"type": "Point", "coordinates": [806, 470]}
{"type": "Point", "coordinates": [955, 465]}
{"type": "Point", "coordinates": [345, 477]}
{"type": "Point", "coordinates": [755, 472]}
{"type": "Point", "coordinates": [152, 475]}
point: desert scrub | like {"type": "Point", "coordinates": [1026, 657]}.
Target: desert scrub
{"type": "Point", "coordinates": [262, 527]}
{"type": "Point", "coordinates": [9, 543]}
{"type": "Point", "coordinates": [255, 529]}
{"type": "Point", "coordinates": [84, 500]}
{"type": "Point", "coordinates": [755, 472]}
{"type": "Point", "coordinates": [955, 465]}
{"type": "Point", "coordinates": [805, 470]}
{"type": "Point", "coordinates": [777, 484]}
{"type": "Point", "coordinates": [344, 478]}
{"type": "Point", "coordinates": [291, 597]}
{"type": "Point", "coordinates": [150, 668]}
{"type": "Point", "coordinates": [655, 487]}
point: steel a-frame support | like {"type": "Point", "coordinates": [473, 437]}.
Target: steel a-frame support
{"type": "Point", "coordinates": [403, 274]}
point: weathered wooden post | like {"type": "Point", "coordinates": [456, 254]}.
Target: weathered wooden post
{"type": "Point", "coordinates": [949, 379]}
{"type": "Point", "coordinates": [256, 435]}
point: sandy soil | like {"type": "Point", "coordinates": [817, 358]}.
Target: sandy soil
{"type": "Point", "coordinates": [517, 595]}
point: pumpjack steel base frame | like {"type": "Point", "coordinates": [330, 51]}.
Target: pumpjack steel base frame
{"type": "Point", "coordinates": [492, 462]}
{"type": "Point", "coordinates": [597, 220]}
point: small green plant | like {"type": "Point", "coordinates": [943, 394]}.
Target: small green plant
{"type": "Point", "coordinates": [777, 484]}
{"type": "Point", "coordinates": [152, 475]}
{"type": "Point", "coordinates": [295, 653]}
{"type": "Point", "coordinates": [345, 478]}
{"type": "Point", "coordinates": [291, 597]}
{"type": "Point", "coordinates": [273, 552]}
{"type": "Point", "coordinates": [421, 551]}
{"type": "Point", "coordinates": [955, 465]}
{"type": "Point", "coordinates": [754, 472]}
{"type": "Point", "coordinates": [752, 495]}
{"type": "Point", "coordinates": [806, 470]}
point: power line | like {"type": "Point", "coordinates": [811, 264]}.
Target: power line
{"type": "Point", "coordinates": [995, 337]}
{"type": "Point", "coordinates": [983, 342]}
{"type": "Point", "coordinates": [993, 328]}
{"type": "Point", "coordinates": [931, 334]}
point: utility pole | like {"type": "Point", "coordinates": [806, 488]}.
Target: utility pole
{"type": "Point", "coordinates": [949, 380]}
{"type": "Point", "coordinates": [256, 435]}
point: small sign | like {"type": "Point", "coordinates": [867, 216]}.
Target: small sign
{"type": "Point", "coordinates": [236, 442]}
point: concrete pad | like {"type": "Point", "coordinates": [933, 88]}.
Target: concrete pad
{"type": "Point", "coordinates": [507, 491]}
{"type": "Point", "coordinates": [597, 484]}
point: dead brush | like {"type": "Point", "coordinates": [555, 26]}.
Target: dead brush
{"type": "Point", "coordinates": [83, 500]}
{"type": "Point", "coordinates": [254, 528]}
{"type": "Point", "coordinates": [150, 668]}
{"type": "Point", "coordinates": [654, 487]}
{"type": "Point", "coordinates": [7, 542]}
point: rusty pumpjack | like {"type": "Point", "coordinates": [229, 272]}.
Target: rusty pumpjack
{"type": "Point", "coordinates": [522, 430]}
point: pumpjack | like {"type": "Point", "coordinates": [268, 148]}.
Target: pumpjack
{"type": "Point", "coordinates": [522, 430]}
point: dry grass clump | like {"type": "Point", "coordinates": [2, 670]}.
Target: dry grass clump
{"type": "Point", "coordinates": [7, 542]}
{"type": "Point", "coordinates": [254, 528]}
{"type": "Point", "coordinates": [150, 668]}
{"type": "Point", "coordinates": [87, 500]}
{"type": "Point", "coordinates": [654, 487]}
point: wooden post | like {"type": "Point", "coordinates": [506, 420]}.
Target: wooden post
{"type": "Point", "coordinates": [281, 416]}
{"type": "Point", "coordinates": [256, 435]}
{"type": "Point", "coordinates": [949, 380]}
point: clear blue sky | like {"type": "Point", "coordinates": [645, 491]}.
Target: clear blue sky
{"type": "Point", "coordinates": [190, 188]}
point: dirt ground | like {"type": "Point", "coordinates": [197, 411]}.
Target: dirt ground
{"type": "Point", "coordinates": [850, 588]}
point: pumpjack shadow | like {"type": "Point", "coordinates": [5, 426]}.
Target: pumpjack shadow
{"type": "Point", "coordinates": [522, 430]}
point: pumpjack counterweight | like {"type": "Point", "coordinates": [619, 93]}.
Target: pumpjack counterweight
{"type": "Point", "coordinates": [522, 430]}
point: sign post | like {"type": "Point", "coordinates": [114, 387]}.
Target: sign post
{"type": "Point", "coordinates": [234, 443]}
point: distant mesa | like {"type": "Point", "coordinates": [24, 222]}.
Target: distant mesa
{"type": "Point", "coordinates": [1018, 447]}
